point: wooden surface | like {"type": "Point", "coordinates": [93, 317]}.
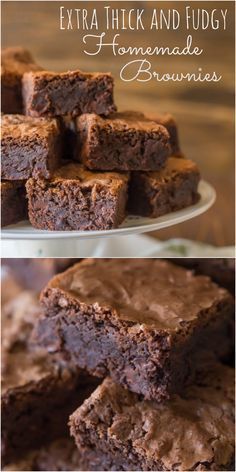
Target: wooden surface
{"type": "Point", "coordinates": [205, 113]}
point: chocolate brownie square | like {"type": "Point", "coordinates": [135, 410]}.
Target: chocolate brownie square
{"type": "Point", "coordinates": [174, 187]}
{"type": "Point", "coordinates": [38, 390]}
{"type": "Point", "coordinates": [76, 199]}
{"type": "Point", "coordinates": [15, 62]}
{"type": "Point", "coordinates": [138, 320]}
{"type": "Point", "coordinates": [194, 431]}
{"type": "Point", "coordinates": [124, 141]}
{"type": "Point", "coordinates": [29, 146]}
{"type": "Point", "coordinates": [13, 202]}
{"type": "Point", "coordinates": [169, 122]}
{"type": "Point", "coordinates": [34, 274]}
{"type": "Point", "coordinates": [67, 93]}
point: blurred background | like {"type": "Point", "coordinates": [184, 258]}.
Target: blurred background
{"type": "Point", "coordinates": [204, 111]}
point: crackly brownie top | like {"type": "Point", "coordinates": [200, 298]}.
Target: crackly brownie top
{"type": "Point", "coordinates": [22, 362]}
{"type": "Point", "coordinates": [77, 172]}
{"type": "Point", "coordinates": [121, 121]}
{"type": "Point", "coordinates": [25, 127]}
{"type": "Point", "coordinates": [165, 119]}
{"type": "Point", "coordinates": [42, 75]}
{"type": "Point", "coordinates": [143, 291]}
{"type": "Point", "coordinates": [181, 434]}
{"type": "Point", "coordinates": [17, 60]}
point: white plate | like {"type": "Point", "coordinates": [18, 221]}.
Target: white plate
{"type": "Point", "coordinates": [132, 224]}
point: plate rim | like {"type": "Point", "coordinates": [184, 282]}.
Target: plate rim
{"type": "Point", "coordinates": [173, 218]}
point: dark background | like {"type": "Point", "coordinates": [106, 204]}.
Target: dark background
{"type": "Point", "coordinates": [205, 112]}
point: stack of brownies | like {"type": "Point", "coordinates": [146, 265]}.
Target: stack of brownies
{"type": "Point", "coordinates": [135, 355]}
{"type": "Point", "coordinates": [70, 161]}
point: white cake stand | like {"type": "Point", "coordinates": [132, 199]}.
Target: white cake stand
{"type": "Point", "coordinates": [22, 240]}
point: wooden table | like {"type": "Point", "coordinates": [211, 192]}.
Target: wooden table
{"type": "Point", "coordinates": [205, 113]}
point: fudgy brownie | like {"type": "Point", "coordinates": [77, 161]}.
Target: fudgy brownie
{"type": "Point", "coordinates": [76, 199]}
{"type": "Point", "coordinates": [29, 146]}
{"type": "Point", "coordinates": [124, 141]}
{"type": "Point", "coordinates": [38, 391]}
{"type": "Point", "coordinates": [15, 62]}
{"type": "Point", "coordinates": [191, 432]}
{"type": "Point", "coordinates": [68, 93]}
{"type": "Point", "coordinates": [13, 202]}
{"type": "Point", "coordinates": [222, 271]}
{"type": "Point", "coordinates": [138, 320]}
{"type": "Point", "coordinates": [34, 274]}
{"type": "Point", "coordinates": [167, 120]}
{"type": "Point", "coordinates": [174, 187]}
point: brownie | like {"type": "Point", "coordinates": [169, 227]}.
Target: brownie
{"type": "Point", "coordinates": [30, 147]}
{"type": "Point", "coordinates": [13, 202]}
{"type": "Point", "coordinates": [222, 271]}
{"type": "Point", "coordinates": [38, 391]}
{"type": "Point", "coordinates": [68, 93]}
{"type": "Point", "coordinates": [124, 141]}
{"type": "Point", "coordinates": [174, 187]}
{"type": "Point", "coordinates": [76, 199]}
{"type": "Point", "coordinates": [194, 431]}
{"type": "Point", "coordinates": [168, 121]}
{"type": "Point", "coordinates": [138, 320]}
{"type": "Point", "coordinates": [15, 62]}
{"type": "Point", "coordinates": [34, 274]}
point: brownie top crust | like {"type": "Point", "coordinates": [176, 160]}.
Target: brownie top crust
{"type": "Point", "coordinates": [24, 361]}
{"type": "Point", "coordinates": [146, 292]}
{"type": "Point", "coordinates": [186, 433]}
{"type": "Point", "coordinates": [77, 172]}
{"type": "Point", "coordinates": [166, 119]}
{"type": "Point", "coordinates": [174, 166]}
{"type": "Point", "coordinates": [19, 318]}
{"type": "Point", "coordinates": [17, 60]}
{"type": "Point", "coordinates": [24, 127]}
{"type": "Point", "coordinates": [21, 370]}
{"type": "Point", "coordinates": [21, 362]}
{"type": "Point", "coordinates": [120, 121]}
{"type": "Point", "coordinates": [50, 75]}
